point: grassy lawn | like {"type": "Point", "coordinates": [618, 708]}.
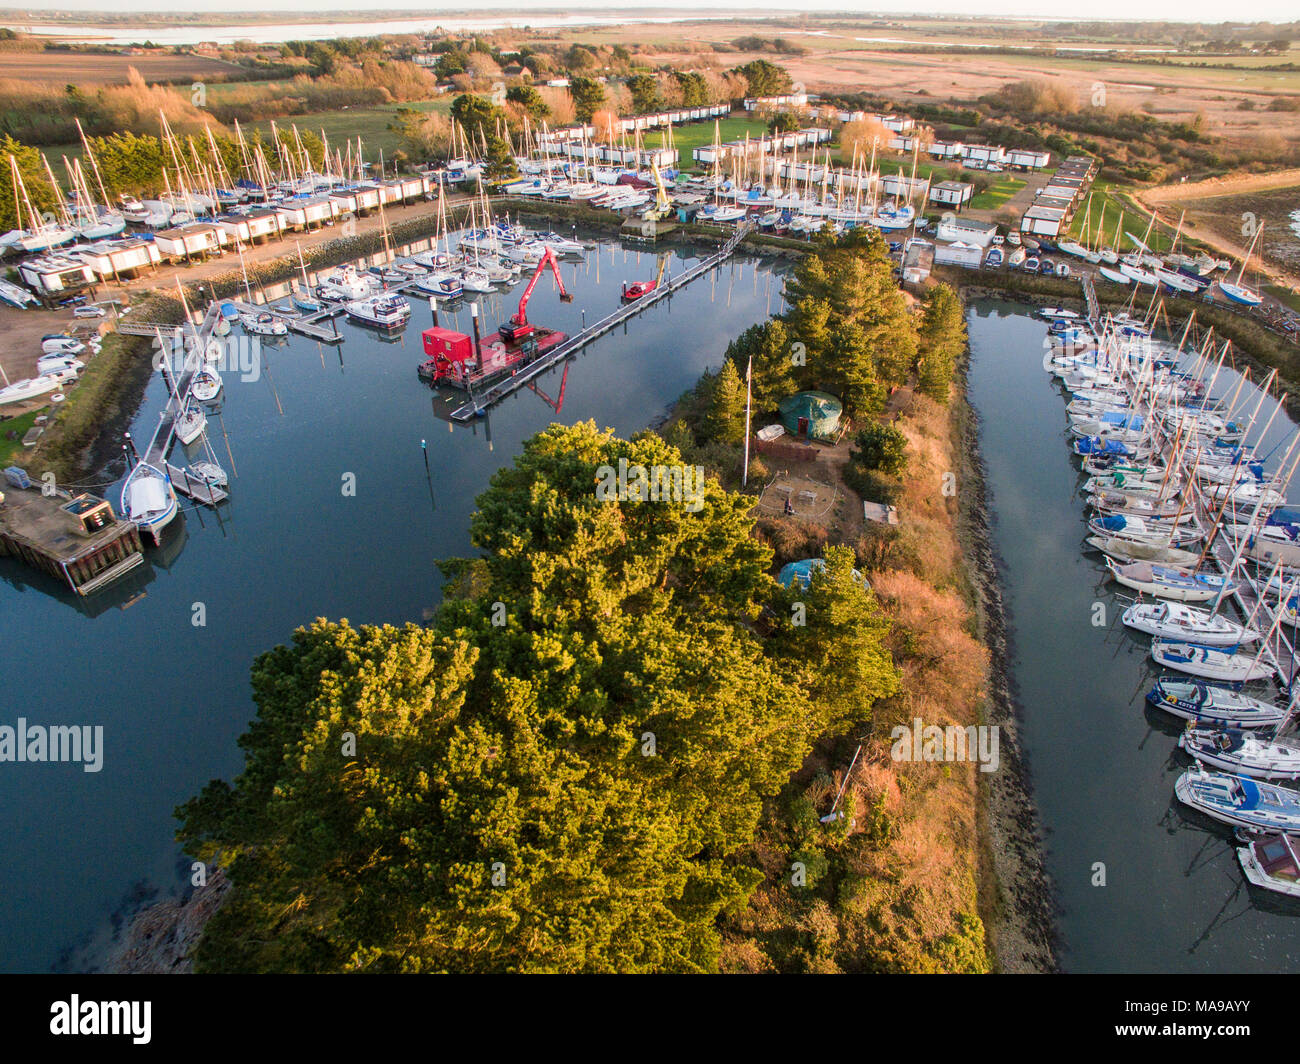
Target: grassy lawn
{"type": "Point", "coordinates": [19, 426]}
{"type": "Point", "coordinates": [1282, 294]}
{"type": "Point", "coordinates": [1114, 200]}
{"type": "Point", "coordinates": [693, 135]}
{"type": "Point", "coordinates": [368, 123]}
{"type": "Point", "coordinates": [997, 193]}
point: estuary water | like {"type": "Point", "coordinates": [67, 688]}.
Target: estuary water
{"type": "Point", "coordinates": [1103, 763]}
{"type": "Point", "coordinates": [82, 849]}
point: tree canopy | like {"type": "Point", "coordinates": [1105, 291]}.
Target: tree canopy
{"type": "Point", "coordinates": [557, 774]}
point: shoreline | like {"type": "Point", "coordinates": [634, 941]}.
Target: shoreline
{"type": "Point", "coordinates": [1016, 897]}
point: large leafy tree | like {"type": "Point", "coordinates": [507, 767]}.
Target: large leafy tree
{"type": "Point", "coordinates": [554, 777]}
{"type": "Point", "coordinates": [768, 344]}
{"type": "Point", "coordinates": [765, 78]}
{"type": "Point", "coordinates": [942, 341]}
{"type": "Point", "coordinates": [588, 95]}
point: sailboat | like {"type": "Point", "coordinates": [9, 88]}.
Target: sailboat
{"type": "Point", "coordinates": [1239, 800]}
{"type": "Point", "coordinates": [148, 499]}
{"type": "Point", "coordinates": [1197, 700]}
{"type": "Point", "coordinates": [1243, 751]}
{"type": "Point", "coordinates": [1176, 620]}
{"type": "Point", "coordinates": [206, 385]}
{"type": "Point", "coordinates": [1238, 292]}
{"type": "Point", "coordinates": [42, 235]}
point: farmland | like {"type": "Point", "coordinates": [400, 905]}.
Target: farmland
{"type": "Point", "coordinates": [87, 69]}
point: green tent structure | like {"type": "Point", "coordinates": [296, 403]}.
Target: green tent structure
{"type": "Point", "coordinates": [811, 415]}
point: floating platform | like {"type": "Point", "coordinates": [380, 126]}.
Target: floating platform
{"type": "Point", "coordinates": [198, 490]}
{"type": "Point", "coordinates": [75, 539]}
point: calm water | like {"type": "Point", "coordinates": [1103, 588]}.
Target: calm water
{"type": "Point", "coordinates": [288, 547]}
{"type": "Point", "coordinates": [1103, 763]}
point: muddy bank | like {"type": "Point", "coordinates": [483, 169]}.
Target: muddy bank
{"type": "Point", "coordinates": [1017, 902]}
{"type": "Point", "coordinates": [160, 939]}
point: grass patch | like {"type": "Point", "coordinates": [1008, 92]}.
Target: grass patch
{"type": "Point", "coordinates": [12, 432]}
{"type": "Point", "coordinates": [997, 193]}
{"type": "Point", "coordinates": [1282, 294]}
{"type": "Point", "coordinates": [348, 123]}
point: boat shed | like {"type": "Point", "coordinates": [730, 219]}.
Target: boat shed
{"type": "Point", "coordinates": [48, 274]}
{"type": "Point", "coordinates": [966, 231]}
{"type": "Point", "coordinates": [901, 185]}
{"type": "Point", "coordinates": [918, 261]}
{"type": "Point", "coordinates": [1040, 220]}
{"type": "Point", "coordinates": [1028, 158]}
{"type": "Point", "coordinates": [186, 241]}
{"type": "Point", "coordinates": [255, 224]}
{"type": "Point", "coordinates": [958, 254]}
{"type": "Point", "coordinates": [119, 259]}
{"type": "Point", "coordinates": [952, 193]}
{"type": "Point", "coordinates": [811, 415]}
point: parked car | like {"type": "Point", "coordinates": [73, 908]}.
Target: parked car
{"type": "Point", "coordinates": [994, 167]}
{"type": "Point", "coordinates": [88, 311]}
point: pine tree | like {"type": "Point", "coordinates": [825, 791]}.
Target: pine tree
{"type": "Point", "coordinates": [726, 416]}
{"type": "Point", "coordinates": [942, 343]}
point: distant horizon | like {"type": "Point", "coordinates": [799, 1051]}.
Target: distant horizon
{"type": "Point", "coordinates": [1191, 11]}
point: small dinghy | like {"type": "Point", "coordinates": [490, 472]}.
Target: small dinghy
{"type": "Point", "coordinates": [1208, 662]}
{"type": "Point", "coordinates": [1212, 704]}
{"type": "Point", "coordinates": [1170, 581]}
{"type": "Point", "coordinates": [1178, 621]}
{"type": "Point", "coordinates": [1270, 861]}
{"type": "Point", "coordinates": [1239, 800]}
{"type": "Point", "coordinates": [208, 473]}
{"type": "Point", "coordinates": [1243, 752]}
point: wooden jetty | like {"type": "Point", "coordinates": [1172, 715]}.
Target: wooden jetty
{"type": "Point", "coordinates": [75, 539]}
{"type": "Point", "coordinates": [307, 324]}
{"type": "Point", "coordinates": [198, 490]}
{"type": "Point", "coordinates": [526, 373]}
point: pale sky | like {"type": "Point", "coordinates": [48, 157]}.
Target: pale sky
{"type": "Point", "coordinates": [1183, 10]}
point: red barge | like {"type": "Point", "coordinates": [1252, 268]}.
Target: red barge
{"type": "Point", "coordinates": [457, 360]}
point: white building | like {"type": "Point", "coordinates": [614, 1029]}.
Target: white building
{"type": "Point", "coordinates": [966, 231]}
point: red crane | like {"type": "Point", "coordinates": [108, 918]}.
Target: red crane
{"type": "Point", "coordinates": [519, 327]}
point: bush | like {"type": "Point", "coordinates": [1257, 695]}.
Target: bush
{"type": "Point", "coordinates": [872, 486]}
{"type": "Point", "coordinates": [880, 448]}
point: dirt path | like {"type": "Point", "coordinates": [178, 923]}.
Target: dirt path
{"type": "Point", "coordinates": [1219, 186]}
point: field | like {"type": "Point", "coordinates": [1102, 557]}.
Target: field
{"type": "Point", "coordinates": [84, 69]}
{"type": "Point", "coordinates": [368, 123]}
{"type": "Point", "coordinates": [699, 134]}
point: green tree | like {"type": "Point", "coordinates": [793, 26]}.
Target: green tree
{"type": "Point", "coordinates": [838, 653]}
{"type": "Point", "coordinates": [645, 93]}
{"type": "Point", "coordinates": [881, 448]}
{"type": "Point", "coordinates": [588, 94]}
{"type": "Point", "coordinates": [529, 99]}
{"type": "Point", "coordinates": [725, 420]}
{"type": "Point", "coordinates": [765, 78]}
{"type": "Point", "coordinates": [483, 120]}
{"type": "Point", "coordinates": [768, 344]}
{"type": "Point", "coordinates": [41, 197]}
{"type": "Point", "coordinates": [783, 122]}
{"type": "Point", "coordinates": [942, 341]}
